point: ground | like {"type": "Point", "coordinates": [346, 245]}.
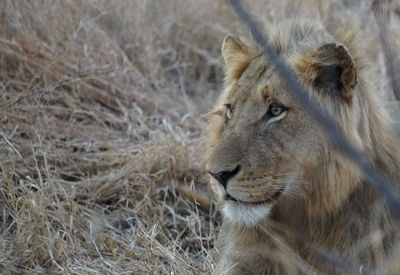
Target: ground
{"type": "Point", "coordinates": [102, 107]}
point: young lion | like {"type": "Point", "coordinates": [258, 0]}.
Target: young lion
{"type": "Point", "coordinates": [291, 203]}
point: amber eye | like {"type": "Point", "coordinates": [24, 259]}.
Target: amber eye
{"type": "Point", "coordinates": [228, 110]}
{"type": "Point", "coordinates": [275, 110]}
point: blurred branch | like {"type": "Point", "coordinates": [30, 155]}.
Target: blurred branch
{"type": "Point", "coordinates": [381, 12]}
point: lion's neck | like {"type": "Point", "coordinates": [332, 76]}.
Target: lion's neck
{"type": "Point", "coordinates": [334, 226]}
{"type": "Point", "coordinates": [333, 198]}
{"type": "Point", "coordinates": [327, 186]}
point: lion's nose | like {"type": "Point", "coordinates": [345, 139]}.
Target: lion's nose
{"type": "Point", "coordinates": [224, 176]}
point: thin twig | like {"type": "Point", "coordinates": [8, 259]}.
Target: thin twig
{"type": "Point", "coordinates": [9, 143]}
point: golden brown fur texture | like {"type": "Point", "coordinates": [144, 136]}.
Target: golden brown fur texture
{"type": "Point", "coordinates": [291, 203]}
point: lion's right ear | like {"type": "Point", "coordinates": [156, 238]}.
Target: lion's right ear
{"type": "Point", "coordinates": [237, 57]}
{"type": "Point", "coordinates": [330, 68]}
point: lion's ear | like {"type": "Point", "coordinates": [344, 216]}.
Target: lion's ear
{"type": "Point", "coordinates": [329, 68]}
{"type": "Point", "coordinates": [237, 56]}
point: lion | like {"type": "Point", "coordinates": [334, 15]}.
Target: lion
{"type": "Point", "coordinates": [291, 203]}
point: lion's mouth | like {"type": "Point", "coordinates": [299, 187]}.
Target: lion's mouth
{"type": "Point", "coordinates": [272, 198]}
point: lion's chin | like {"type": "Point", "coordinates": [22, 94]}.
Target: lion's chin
{"type": "Point", "coordinates": [247, 215]}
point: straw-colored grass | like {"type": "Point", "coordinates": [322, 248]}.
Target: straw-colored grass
{"type": "Point", "coordinates": [102, 105]}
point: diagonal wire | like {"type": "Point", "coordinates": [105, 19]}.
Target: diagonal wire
{"type": "Point", "coordinates": [381, 185]}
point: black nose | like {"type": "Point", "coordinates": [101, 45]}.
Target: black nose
{"type": "Point", "coordinates": [224, 176]}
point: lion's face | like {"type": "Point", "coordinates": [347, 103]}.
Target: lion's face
{"type": "Point", "coordinates": [264, 140]}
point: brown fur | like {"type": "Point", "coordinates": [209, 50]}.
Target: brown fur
{"type": "Point", "coordinates": [326, 204]}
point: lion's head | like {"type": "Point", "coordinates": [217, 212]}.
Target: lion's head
{"type": "Point", "coordinates": [264, 147]}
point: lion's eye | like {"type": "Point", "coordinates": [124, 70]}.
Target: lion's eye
{"type": "Point", "coordinates": [229, 109]}
{"type": "Point", "coordinates": [276, 110]}
{"type": "Point", "coordinates": [275, 113]}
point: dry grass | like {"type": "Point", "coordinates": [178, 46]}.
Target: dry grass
{"type": "Point", "coordinates": [102, 105]}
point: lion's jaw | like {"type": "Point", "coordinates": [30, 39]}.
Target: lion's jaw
{"type": "Point", "coordinates": [243, 214]}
